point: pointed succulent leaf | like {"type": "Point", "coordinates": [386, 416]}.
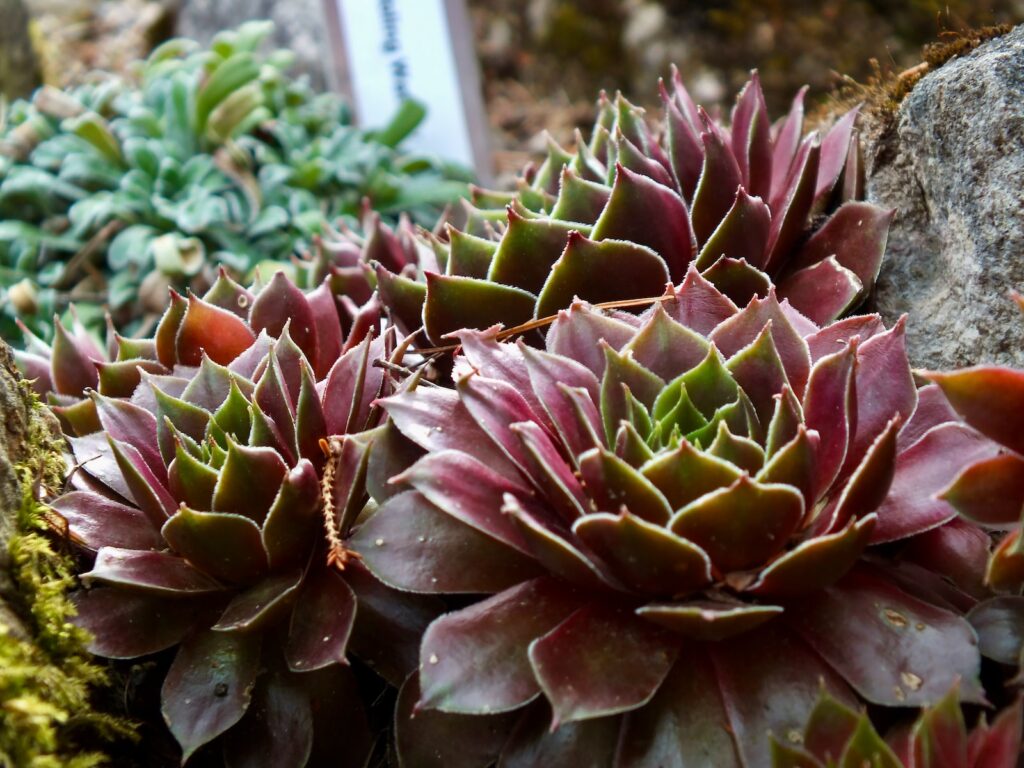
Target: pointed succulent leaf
{"type": "Point", "coordinates": [793, 205]}
{"type": "Point", "coordinates": [759, 371]}
{"type": "Point", "coordinates": [469, 491]}
{"type": "Point", "coordinates": [73, 368]}
{"type": "Point", "coordinates": [885, 388]}
{"type": "Point", "coordinates": [583, 270]}
{"type": "Point", "coordinates": [552, 379]}
{"type": "Point", "coordinates": [988, 398]}
{"type": "Point", "coordinates": [454, 303]}
{"type": "Point", "coordinates": [787, 140]}
{"type": "Point", "coordinates": [613, 483]}
{"type": "Point", "coordinates": [830, 408]}
{"type": "Point", "coordinates": [223, 545]}
{"type": "Point", "coordinates": [816, 563]}
{"type": "Point", "coordinates": [134, 426]}
{"type": "Point", "coordinates": [737, 279]}
{"type": "Point", "coordinates": [921, 473]}
{"type": "Point", "coordinates": [277, 728]}
{"type": "Point", "coordinates": [260, 605]}
{"type": "Point", "coordinates": [636, 201]}
{"type": "Point", "coordinates": [834, 151]}
{"type": "Point", "coordinates": [894, 649]}
{"type": "Point", "coordinates": [322, 620]}
{"type": "Point", "coordinates": [222, 335]}
{"type": "Point", "coordinates": [823, 291]}
{"type": "Point", "coordinates": [158, 573]}
{"type": "Point", "coordinates": [529, 248]}
{"type": "Point", "coordinates": [209, 686]}
{"type": "Point", "coordinates": [743, 525]}
{"type": "Point", "coordinates": [145, 489]}
{"type": "Point", "coordinates": [125, 625]}
{"type": "Point", "coordinates": [468, 255]}
{"type": "Point", "coordinates": [578, 331]}
{"type": "Point", "coordinates": [644, 556]}
{"type": "Point", "coordinates": [686, 474]}
{"type": "Point", "coordinates": [97, 521]}
{"type": "Point", "coordinates": [579, 199]}
{"type": "Point", "coordinates": [435, 419]}
{"type": "Point", "coordinates": [720, 178]}
{"type": "Point", "coordinates": [288, 529]}
{"type": "Point", "coordinates": [665, 347]}
{"type": "Point", "coordinates": [584, 679]}
{"type": "Point", "coordinates": [698, 305]}
{"type": "Point", "coordinates": [742, 233]}
{"type": "Point", "coordinates": [741, 329]}
{"type": "Point", "coordinates": [249, 481]}
{"type": "Point", "coordinates": [870, 482]}
{"type": "Point", "coordinates": [555, 551]}
{"type": "Point", "coordinates": [474, 661]}
{"type": "Point", "coordinates": [410, 544]}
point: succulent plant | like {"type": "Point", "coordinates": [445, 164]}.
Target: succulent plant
{"type": "Point", "coordinates": [218, 492]}
{"type": "Point", "coordinates": [675, 517]}
{"type": "Point", "coordinates": [626, 213]}
{"type": "Point", "coordinates": [326, 323]}
{"type": "Point", "coordinates": [836, 735]}
{"type": "Point", "coordinates": [115, 190]}
{"type": "Point", "coordinates": [990, 492]}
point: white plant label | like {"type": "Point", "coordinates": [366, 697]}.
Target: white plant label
{"type": "Point", "coordinates": [396, 49]}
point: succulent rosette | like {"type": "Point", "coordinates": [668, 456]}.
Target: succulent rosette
{"type": "Point", "coordinates": [218, 496]}
{"type": "Point", "coordinates": [750, 204]}
{"type": "Point", "coordinates": [838, 735]}
{"type": "Point", "coordinates": [676, 516]}
{"type": "Point", "coordinates": [335, 314]}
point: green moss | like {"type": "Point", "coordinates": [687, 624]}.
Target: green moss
{"type": "Point", "coordinates": [46, 684]}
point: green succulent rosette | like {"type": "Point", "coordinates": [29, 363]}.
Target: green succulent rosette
{"type": "Point", "coordinates": [115, 190]}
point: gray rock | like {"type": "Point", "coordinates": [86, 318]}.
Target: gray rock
{"type": "Point", "coordinates": [300, 26]}
{"type": "Point", "coordinates": [952, 162]}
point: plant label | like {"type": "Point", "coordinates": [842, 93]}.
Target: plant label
{"type": "Point", "coordinates": [388, 50]}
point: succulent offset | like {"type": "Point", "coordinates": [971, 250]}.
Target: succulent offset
{"type": "Point", "coordinates": [214, 157]}
{"type": "Point", "coordinates": [838, 735]}
{"type": "Point", "coordinates": [218, 495]}
{"type": "Point", "coordinates": [627, 213]}
{"type": "Point", "coordinates": [990, 492]}
{"type": "Point", "coordinates": [674, 515]}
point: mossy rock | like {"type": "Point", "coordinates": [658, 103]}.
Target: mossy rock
{"type": "Point", "coordinates": [47, 678]}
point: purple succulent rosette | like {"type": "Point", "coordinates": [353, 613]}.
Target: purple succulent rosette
{"type": "Point", "coordinates": [836, 734]}
{"type": "Point", "coordinates": [332, 315]}
{"type": "Point", "coordinates": [218, 494]}
{"type": "Point", "coordinates": [678, 519]}
{"type": "Point", "coordinates": [749, 204]}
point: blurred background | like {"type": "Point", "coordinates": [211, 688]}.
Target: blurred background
{"type": "Point", "coordinates": [543, 61]}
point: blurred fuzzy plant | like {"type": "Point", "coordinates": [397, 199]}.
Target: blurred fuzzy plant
{"type": "Point", "coordinates": [113, 191]}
